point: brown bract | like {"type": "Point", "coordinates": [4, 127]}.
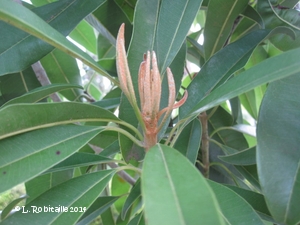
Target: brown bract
{"type": "Point", "coordinates": [149, 84]}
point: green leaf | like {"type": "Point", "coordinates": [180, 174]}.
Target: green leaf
{"type": "Point", "coordinates": [274, 16]}
{"type": "Point", "coordinates": [17, 84]}
{"type": "Point", "coordinates": [42, 183]}
{"type": "Point", "coordinates": [56, 14]}
{"type": "Point", "coordinates": [7, 210]}
{"type": "Point", "coordinates": [278, 142]}
{"type": "Point", "coordinates": [110, 16]}
{"type": "Point", "coordinates": [104, 48]}
{"type": "Point", "coordinates": [62, 68]}
{"type": "Point", "coordinates": [81, 192]}
{"type": "Point", "coordinates": [252, 14]}
{"type": "Point", "coordinates": [79, 159]}
{"type": "Point", "coordinates": [188, 142]}
{"type": "Point", "coordinates": [26, 20]}
{"type": "Point", "coordinates": [173, 24]}
{"type": "Point", "coordinates": [170, 200]}
{"type": "Point", "coordinates": [216, 71]}
{"type": "Point", "coordinates": [38, 94]}
{"type": "Point", "coordinates": [269, 70]}
{"type": "Point", "coordinates": [110, 103]}
{"type": "Point", "coordinates": [134, 194]}
{"type": "Point", "coordinates": [18, 118]}
{"type": "Point", "coordinates": [137, 220]}
{"type": "Point", "coordinates": [97, 208]}
{"type": "Point", "coordinates": [219, 21]}
{"type": "Point", "coordinates": [84, 35]}
{"type": "Point", "coordinates": [256, 200]}
{"type": "Point", "coordinates": [245, 157]}
{"type": "Point", "coordinates": [233, 207]}
{"type": "Point", "coordinates": [218, 125]}
{"type": "Point", "coordinates": [25, 156]}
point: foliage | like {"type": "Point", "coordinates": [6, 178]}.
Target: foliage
{"type": "Point", "coordinates": [229, 155]}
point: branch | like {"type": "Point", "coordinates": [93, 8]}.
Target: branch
{"type": "Point", "coordinates": [125, 176]}
{"type": "Point", "coordinates": [42, 77]}
{"type": "Point", "coordinates": [205, 144]}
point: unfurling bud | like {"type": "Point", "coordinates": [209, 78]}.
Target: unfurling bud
{"type": "Point", "coordinates": [149, 84]}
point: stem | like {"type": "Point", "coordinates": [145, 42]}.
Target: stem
{"type": "Point", "coordinates": [123, 174]}
{"type": "Point", "coordinates": [42, 77]}
{"type": "Point", "coordinates": [127, 134]}
{"type": "Point", "coordinates": [205, 144]}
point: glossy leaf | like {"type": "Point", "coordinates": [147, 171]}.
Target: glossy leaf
{"type": "Point", "coordinates": [252, 14]}
{"type": "Point", "coordinates": [62, 68]}
{"type": "Point", "coordinates": [15, 119]}
{"type": "Point", "coordinates": [278, 141]}
{"type": "Point", "coordinates": [20, 162]}
{"type": "Point", "coordinates": [173, 24]}
{"type": "Point", "coordinates": [238, 213]}
{"type": "Point", "coordinates": [97, 208]}
{"type": "Point", "coordinates": [88, 188]}
{"type": "Point", "coordinates": [172, 194]}
{"type": "Point", "coordinates": [230, 137]}
{"type": "Point", "coordinates": [38, 94]}
{"type": "Point", "coordinates": [219, 21]}
{"type": "Point", "coordinates": [256, 200]}
{"type": "Point", "coordinates": [137, 220]}
{"type": "Point", "coordinates": [42, 183]}
{"type": "Point", "coordinates": [134, 194]}
{"type": "Point", "coordinates": [24, 19]}
{"type": "Point", "coordinates": [56, 14]}
{"type": "Point", "coordinates": [214, 72]}
{"type": "Point", "coordinates": [245, 157]}
{"type": "Point", "coordinates": [188, 142]}
{"type": "Point", "coordinates": [85, 36]}
{"type": "Point", "coordinates": [8, 209]}
{"type": "Point", "coordinates": [269, 70]}
{"type": "Point", "coordinates": [16, 84]}
{"type": "Point", "coordinates": [275, 14]}
{"type": "Point", "coordinates": [79, 159]}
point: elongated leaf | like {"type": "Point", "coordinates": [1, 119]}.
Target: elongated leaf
{"type": "Point", "coordinates": [60, 15]}
{"type": "Point", "coordinates": [79, 159]}
{"type": "Point", "coordinates": [252, 14]}
{"type": "Point", "coordinates": [275, 14]}
{"type": "Point", "coordinates": [17, 84]}
{"type": "Point", "coordinates": [97, 208]}
{"type": "Point", "coordinates": [5, 212]}
{"type": "Point", "coordinates": [84, 34]}
{"type": "Point", "coordinates": [134, 194]}
{"type": "Point", "coordinates": [278, 142]}
{"type": "Point", "coordinates": [26, 20]}
{"type": "Point", "coordinates": [81, 192]}
{"type": "Point", "coordinates": [238, 213]}
{"type": "Point", "coordinates": [219, 21]}
{"type": "Point", "coordinates": [188, 142]}
{"type": "Point", "coordinates": [15, 119]}
{"type": "Point", "coordinates": [172, 194]}
{"type": "Point", "coordinates": [62, 68]}
{"type": "Point", "coordinates": [20, 162]}
{"type": "Point", "coordinates": [246, 157]}
{"type": "Point", "coordinates": [256, 200]}
{"type": "Point", "coordinates": [216, 71]}
{"type": "Point", "coordinates": [38, 94]}
{"type": "Point", "coordinates": [272, 69]}
{"type": "Point", "coordinates": [173, 25]}
{"type": "Point", "coordinates": [42, 183]}
{"type": "Point", "coordinates": [230, 137]}
{"type": "Point", "coordinates": [137, 220]}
